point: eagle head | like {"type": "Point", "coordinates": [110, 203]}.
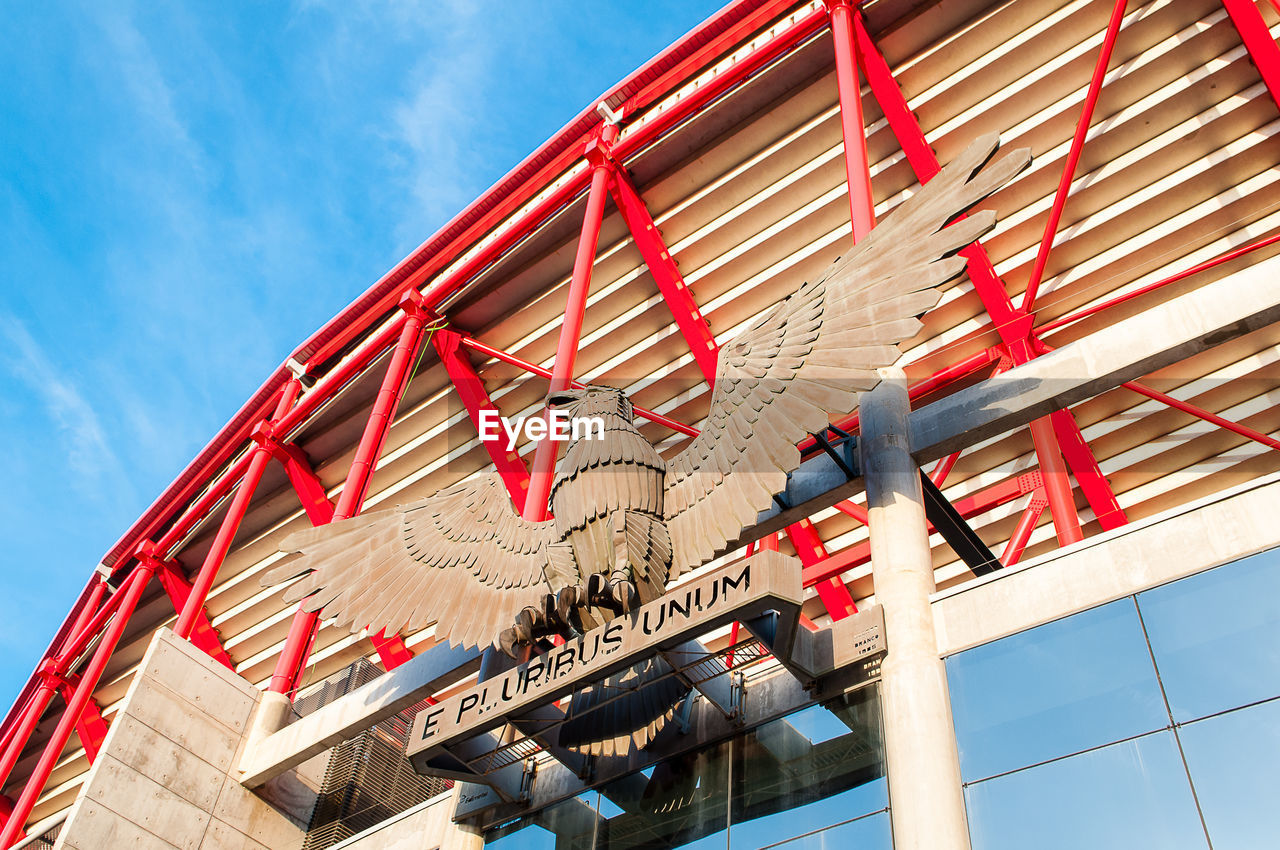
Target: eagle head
{"type": "Point", "coordinates": [592, 400]}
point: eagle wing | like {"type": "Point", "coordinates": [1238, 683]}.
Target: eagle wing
{"type": "Point", "coordinates": [462, 559]}
{"type": "Point", "coordinates": [812, 354]}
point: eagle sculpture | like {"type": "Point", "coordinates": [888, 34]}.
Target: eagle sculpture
{"type": "Point", "coordinates": [624, 521]}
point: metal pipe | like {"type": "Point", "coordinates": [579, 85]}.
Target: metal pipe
{"type": "Point", "coordinates": [84, 690]}
{"type": "Point", "coordinates": [298, 642]}
{"type": "Point", "coordinates": [203, 582]}
{"type": "Point", "coordinates": [857, 167]}
{"type": "Point", "coordinates": [1057, 486]}
{"type": "Point", "coordinates": [513, 360]}
{"type": "Point", "coordinates": [544, 457]}
{"type": "Point", "coordinates": [1258, 41]}
{"type": "Point", "coordinates": [1073, 155]}
{"type": "Point", "coordinates": [87, 612]}
{"type": "Point", "coordinates": [1201, 413]}
{"type": "Point", "coordinates": [1151, 287]}
{"type": "Point", "coordinates": [26, 725]}
{"type": "Point", "coordinates": [76, 643]}
{"type": "Point", "coordinates": [1022, 531]}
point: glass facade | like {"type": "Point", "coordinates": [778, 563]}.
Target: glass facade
{"type": "Point", "coordinates": [813, 779]}
{"type": "Point", "coordinates": [1152, 721]}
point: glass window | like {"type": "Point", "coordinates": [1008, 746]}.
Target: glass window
{"type": "Point", "coordinates": [1216, 636]}
{"type": "Point", "coordinates": [1131, 794]}
{"type": "Point", "coordinates": [1060, 688]}
{"type": "Point", "coordinates": [871, 832]}
{"type": "Point", "coordinates": [1234, 760]}
{"type": "Point", "coordinates": [810, 770]}
{"type": "Point", "coordinates": [569, 825]}
{"type": "Point", "coordinates": [681, 802]}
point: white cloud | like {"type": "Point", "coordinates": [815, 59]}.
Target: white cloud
{"type": "Point", "coordinates": [92, 462]}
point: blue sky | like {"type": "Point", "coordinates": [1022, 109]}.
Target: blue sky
{"type": "Point", "coordinates": [187, 191]}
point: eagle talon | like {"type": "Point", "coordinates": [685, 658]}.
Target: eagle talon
{"type": "Point", "coordinates": [625, 596]}
{"type": "Point", "coordinates": [566, 601]}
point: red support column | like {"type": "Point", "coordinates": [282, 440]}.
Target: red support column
{"type": "Point", "coordinates": [91, 726]}
{"type": "Point", "coordinates": [6, 809]}
{"type": "Point", "coordinates": [832, 591]}
{"type": "Point", "coordinates": [30, 716]}
{"type": "Point", "coordinates": [132, 591]}
{"type": "Point", "coordinates": [1088, 473]}
{"type": "Point", "coordinates": [1258, 41]}
{"type": "Point", "coordinates": [1073, 155]}
{"type": "Point", "coordinates": [857, 166]}
{"type": "Point", "coordinates": [260, 456]}
{"type": "Point", "coordinates": [173, 578]}
{"type": "Point", "coordinates": [391, 650]}
{"type": "Point", "coordinates": [448, 345]}
{"type": "Point", "coordinates": [666, 274]}
{"type": "Point", "coordinates": [1056, 484]}
{"type": "Point", "coordinates": [1200, 413]}
{"type": "Point", "coordinates": [544, 458]}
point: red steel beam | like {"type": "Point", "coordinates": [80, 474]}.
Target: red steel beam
{"type": "Point", "coordinates": [1151, 287]}
{"type": "Point", "coordinates": [1201, 413]}
{"type": "Point", "coordinates": [1073, 154]}
{"type": "Point", "coordinates": [544, 457]}
{"type": "Point", "coordinates": [297, 466]}
{"type": "Point", "coordinates": [27, 720]}
{"type": "Point", "coordinates": [91, 726]}
{"type": "Point", "coordinates": [203, 583]}
{"type": "Point", "coordinates": [1084, 465]}
{"type": "Point", "coordinates": [1258, 41]}
{"type": "Point", "coordinates": [1022, 531]}
{"type": "Point", "coordinates": [811, 550]}
{"type": "Point", "coordinates": [1056, 483]}
{"type": "Point", "coordinates": [1014, 325]}
{"type": "Point", "coordinates": [515, 475]}
{"type": "Point", "coordinates": [75, 706]}
{"type": "Point", "coordinates": [505, 357]}
{"type": "Point", "coordinates": [297, 645]}
{"type": "Point", "coordinates": [666, 274]}
{"type": "Point", "coordinates": [204, 636]}
{"type": "Point", "coordinates": [857, 166]}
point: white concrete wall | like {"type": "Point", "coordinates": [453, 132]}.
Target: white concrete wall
{"type": "Point", "coordinates": [162, 778]}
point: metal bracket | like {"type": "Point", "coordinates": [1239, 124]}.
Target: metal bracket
{"type": "Point", "coordinates": [737, 695]}
{"type": "Point", "coordinates": [606, 112]}
{"type": "Point", "coordinates": [685, 712]}
{"type": "Point", "coordinates": [526, 778]}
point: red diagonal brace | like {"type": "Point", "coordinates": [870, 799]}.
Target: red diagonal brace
{"type": "Point", "coordinates": [173, 579]}
{"type": "Point", "coordinates": [91, 726]}
{"type": "Point", "coordinates": [831, 590]}
{"type": "Point", "coordinates": [297, 466]}
{"type": "Point", "coordinates": [448, 344]}
{"type": "Point", "coordinates": [665, 273]}
{"type": "Point", "coordinates": [1258, 41]}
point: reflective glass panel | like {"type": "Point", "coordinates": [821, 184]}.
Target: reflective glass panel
{"type": "Point", "coordinates": [681, 802]}
{"type": "Point", "coordinates": [1127, 795]}
{"type": "Point", "coordinates": [1216, 636]}
{"type": "Point", "coordinates": [1234, 760]}
{"type": "Point", "coordinates": [867, 833]}
{"type": "Point", "coordinates": [810, 770]}
{"type": "Point", "coordinates": [569, 825]}
{"type": "Point", "coordinates": [1053, 690]}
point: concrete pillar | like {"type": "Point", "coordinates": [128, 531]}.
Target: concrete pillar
{"type": "Point", "coordinates": [926, 798]}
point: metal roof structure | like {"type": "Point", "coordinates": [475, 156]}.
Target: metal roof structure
{"type": "Point", "coordinates": [696, 194]}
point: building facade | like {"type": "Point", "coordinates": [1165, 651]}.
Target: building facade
{"type": "Point", "coordinates": [1094, 399]}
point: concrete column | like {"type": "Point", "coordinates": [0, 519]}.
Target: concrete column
{"type": "Point", "coordinates": [926, 798]}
